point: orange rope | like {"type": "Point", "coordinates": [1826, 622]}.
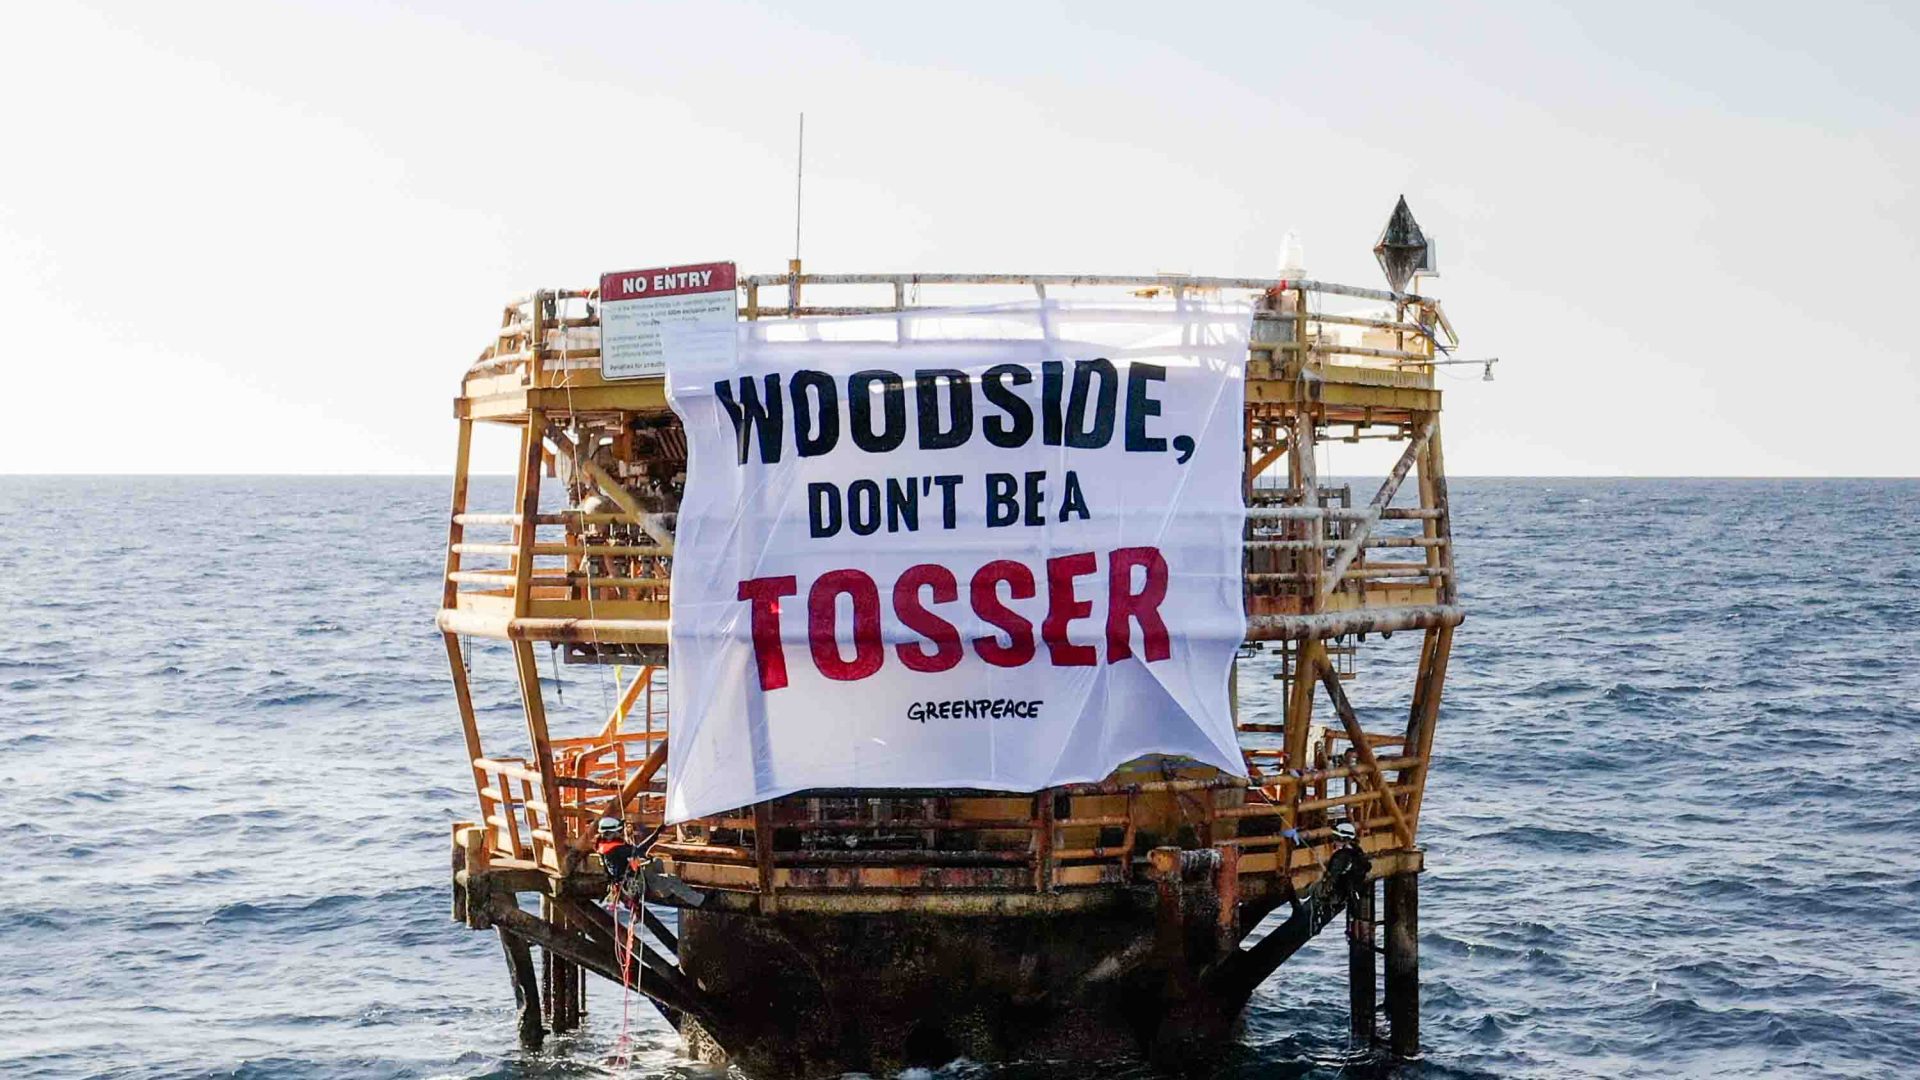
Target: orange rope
{"type": "Point", "coordinates": [626, 985]}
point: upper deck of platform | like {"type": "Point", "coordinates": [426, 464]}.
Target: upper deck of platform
{"type": "Point", "coordinates": [1371, 363]}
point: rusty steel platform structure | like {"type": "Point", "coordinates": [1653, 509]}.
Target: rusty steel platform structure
{"type": "Point", "coordinates": [875, 930]}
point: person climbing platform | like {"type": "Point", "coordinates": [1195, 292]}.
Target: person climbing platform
{"type": "Point", "coordinates": [619, 856]}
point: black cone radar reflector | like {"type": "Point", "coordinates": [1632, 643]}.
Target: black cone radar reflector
{"type": "Point", "coordinates": [1402, 248]}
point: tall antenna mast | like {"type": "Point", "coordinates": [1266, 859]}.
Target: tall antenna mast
{"type": "Point", "coordinates": [799, 172]}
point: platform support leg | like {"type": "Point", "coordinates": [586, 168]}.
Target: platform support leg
{"type": "Point", "coordinates": [566, 976]}
{"type": "Point", "coordinates": [1361, 969]}
{"type": "Point", "coordinates": [560, 981]}
{"type": "Point", "coordinates": [1403, 964]}
{"type": "Point", "coordinates": [526, 988]}
{"type": "Point", "coordinates": [546, 988]}
{"type": "Point", "coordinates": [562, 991]}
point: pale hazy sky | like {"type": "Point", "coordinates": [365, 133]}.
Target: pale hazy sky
{"type": "Point", "coordinates": [270, 237]}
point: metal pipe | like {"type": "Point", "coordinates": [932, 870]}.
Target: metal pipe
{"type": "Point", "coordinates": [1338, 513]}
{"type": "Point", "coordinates": [901, 858]}
{"type": "Point", "coordinates": [1403, 964]}
{"type": "Point", "coordinates": [1165, 281]}
{"type": "Point", "coordinates": [1340, 623]}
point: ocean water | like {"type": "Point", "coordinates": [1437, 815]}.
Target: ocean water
{"type": "Point", "coordinates": [1673, 828]}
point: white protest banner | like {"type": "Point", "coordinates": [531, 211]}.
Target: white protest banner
{"type": "Point", "coordinates": [992, 548]}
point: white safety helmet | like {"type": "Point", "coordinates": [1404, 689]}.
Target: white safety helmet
{"type": "Point", "coordinates": [612, 826]}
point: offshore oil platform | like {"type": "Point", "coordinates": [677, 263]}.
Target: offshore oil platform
{"type": "Point", "coordinates": [878, 929]}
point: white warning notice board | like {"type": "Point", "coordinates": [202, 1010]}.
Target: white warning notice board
{"type": "Point", "coordinates": [686, 313]}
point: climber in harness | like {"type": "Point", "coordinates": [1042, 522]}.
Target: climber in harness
{"type": "Point", "coordinates": [622, 859]}
{"type": "Point", "coordinates": [635, 878]}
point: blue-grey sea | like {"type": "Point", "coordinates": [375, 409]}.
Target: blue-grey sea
{"type": "Point", "coordinates": [1673, 829]}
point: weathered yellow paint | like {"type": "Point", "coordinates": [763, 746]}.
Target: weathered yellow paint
{"type": "Point", "coordinates": [1344, 395]}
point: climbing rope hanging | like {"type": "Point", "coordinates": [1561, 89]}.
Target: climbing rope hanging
{"type": "Point", "coordinates": [578, 451]}
{"type": "Point", "coordinates": [622, 1049]}
{"type": "Point", "coordinates": [576, 454]}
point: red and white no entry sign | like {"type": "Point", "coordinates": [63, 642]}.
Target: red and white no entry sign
{"type": "Point", "coordinates": [649, 318]}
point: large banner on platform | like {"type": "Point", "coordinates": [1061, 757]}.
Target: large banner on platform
{"type": "Point", "coordinates": [988, 548]}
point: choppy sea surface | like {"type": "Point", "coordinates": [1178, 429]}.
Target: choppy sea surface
{"type": "Point", "coordinates": [1673, 828]}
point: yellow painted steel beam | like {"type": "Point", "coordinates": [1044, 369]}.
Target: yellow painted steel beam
{"type": "Point", "coordinates": [639, 396]}
{"type": "Point", "coordinates": [505, 627]}
{"type": "Point", "coordinates": [1346, 395]}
